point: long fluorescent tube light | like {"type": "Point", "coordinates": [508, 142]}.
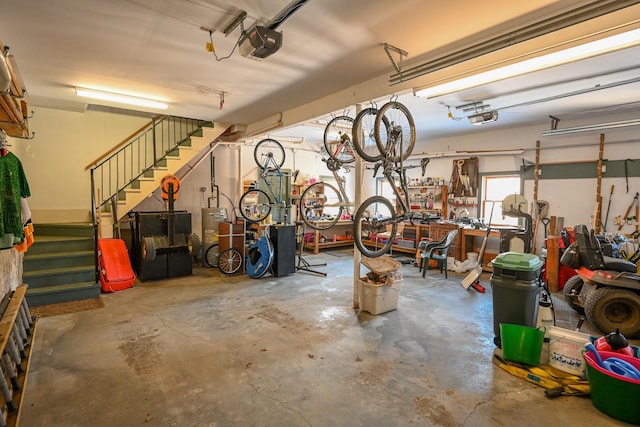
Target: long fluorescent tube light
{"type": "Point", "coordinates": [120, 98]}
{"type": "Point", "coordinates": [577, 53]}
{"type": "Point", "coordinates": [590, 128]}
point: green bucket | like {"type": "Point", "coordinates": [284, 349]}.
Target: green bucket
{"type": "Point", "coordinates": [522, 343]}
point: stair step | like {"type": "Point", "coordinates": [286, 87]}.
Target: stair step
{"type": "Point", "coordinates": [48, 244]}
{"type": "Point", "coordinates": [59, 276]}
{"type": "Point", "coordinates": [68, 229]}
{"type": "Point", "coordinates": [62, 293]}
{"type": "Point", "coordinates": [52, 260]}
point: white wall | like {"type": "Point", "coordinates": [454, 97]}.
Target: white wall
{"type": "Point", "coordinates": [66, 141]}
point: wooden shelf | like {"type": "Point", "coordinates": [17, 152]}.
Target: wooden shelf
{"type": "Point", "coordinates": [338, 228]}
{"type": "Point", "coordinates": [439, 205]}
{"type": "Point", "coordinates": [14, 112]}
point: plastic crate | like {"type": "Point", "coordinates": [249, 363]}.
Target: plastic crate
{"type": "Point", "coordinates": [378, 298]}
{"type": "Point", "coordinates": [565, 350]}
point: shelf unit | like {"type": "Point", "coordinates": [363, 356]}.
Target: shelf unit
{"type": "Point", "coordinates": [430, 199]}
{"type": "Point", "coordinates": [408, 243]}
{"type": "Point", "coordinates": [332, 237]}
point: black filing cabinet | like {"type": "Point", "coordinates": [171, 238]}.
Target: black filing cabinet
{"type": "Point", "coordinates": [283, 239]}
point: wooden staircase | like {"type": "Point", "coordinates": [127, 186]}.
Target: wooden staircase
{"type": "Point", "coordinates": [172, 161]}
{"type": "Point", "coordinates": [60, 265]}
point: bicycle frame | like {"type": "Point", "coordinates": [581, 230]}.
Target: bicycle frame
{"type": "Point", "coordinates": [273, 198]}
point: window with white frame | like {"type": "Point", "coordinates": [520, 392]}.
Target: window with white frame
{"type": "Point", "coordinates": [496, 188]}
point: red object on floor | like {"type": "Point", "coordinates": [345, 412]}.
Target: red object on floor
{"type": "Point", "coordinates": [114, 266]}
{"type": "Point", "coordinates": [478, 287]}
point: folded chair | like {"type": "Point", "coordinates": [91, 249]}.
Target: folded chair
{"type": "Point", "coordinates": [437, 251]}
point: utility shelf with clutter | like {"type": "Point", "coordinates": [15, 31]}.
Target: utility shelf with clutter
{"type": "Point", "coordinates": [337, 236]}
{"type": "Point", "coordinates": [428, 195]}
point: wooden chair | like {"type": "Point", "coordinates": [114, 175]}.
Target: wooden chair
{"type": "Point", "coordinates": [437, 251]}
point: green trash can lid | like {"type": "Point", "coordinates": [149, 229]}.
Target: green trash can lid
{"type": "Point", "coordinates": [518, 261]}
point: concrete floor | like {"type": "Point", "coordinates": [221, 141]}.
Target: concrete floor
{"type": "Point", "coordinates": [215, 350]}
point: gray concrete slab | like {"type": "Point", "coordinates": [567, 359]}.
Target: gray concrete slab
{"type": "Point", "coordinates": [215, 350]}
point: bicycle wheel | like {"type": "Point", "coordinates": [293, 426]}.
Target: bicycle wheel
{"type": "Point", "coordinates": [375, 215]}
{"type": "Point", "coordinates": [230, 261]}
{"type": "Point", "coordinates": [338, 140]}
{"type": "Point", "coordinates": [269, 154]}
{"type": "Point", "coordinates": [255, 205]}
{"type": "Point", "coordinates": [396, 136]}
{"type": "Point", "coordinates": [211, 255]}
{"type": "Point", "coordinates": [364, 140]}
{"type": "Point", "coordinates": [321, 206]}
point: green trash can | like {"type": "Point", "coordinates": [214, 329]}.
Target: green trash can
{"type": "Point", "coordinates": [515, 285]}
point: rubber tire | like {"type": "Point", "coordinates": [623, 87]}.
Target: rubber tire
{"type": "Point", "coordinates": [571, 290]}
{"type": "Point", "coordinates": [382, 120]}
{"type": "Point", "coordinates": [278, 156]}
{"type": "Point", "coordinates": [357, 144]}
{"type": "Point", "coordinates": [150, 244]}
{"type": "Point", "coordinates": [327, 146]}
{"type": "Point", "coordinates": [606, 301]}
{"type": "Point", "coordinates": [230, 261]}
{"type": "Point", "coordinates": [357, 227]}
{"type": "Point", "coordinates": [257, 218]}
{"type": "Point", "coordinates": [212, 255]}
{"type": "Point", "coordinates": [194, 244]}
{"type": "Point", "coordinates": [312, 189]}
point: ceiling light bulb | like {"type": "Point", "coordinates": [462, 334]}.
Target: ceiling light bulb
{"type": "Point", "coordinates": [121, 98]}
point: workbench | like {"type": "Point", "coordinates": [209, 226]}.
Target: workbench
{"type": "Point", "coordinates": [467, 243]}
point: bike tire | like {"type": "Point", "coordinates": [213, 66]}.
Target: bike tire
{"type": "Point", "coordinates": [338, 130]}
{"type": "Point", "coordinates": [364, 140]}
{"type": "Point", "coordinates": [255, 205]}
{"type": "Point", "coordinates": [230, 261]}
{"type": "Point", "coordinates": [326, 196]}
{"type": "Point", "coordinates": [398, 119]}
{"type": "Point", "coordinates": [211, 255]}
{"type": "Point", "coordinates": [269, 154]}
{"type": "Point", "coordinates": [372, 217]}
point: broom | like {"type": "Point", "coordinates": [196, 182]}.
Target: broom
{"type": "Point", "coordinates": [474, 274]}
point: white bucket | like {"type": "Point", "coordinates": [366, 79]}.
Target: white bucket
{"type": "Point", "coordinates": [472, 256]}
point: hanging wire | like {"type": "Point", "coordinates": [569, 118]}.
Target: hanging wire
{"type": "Point", "coordinates": [232, 50]}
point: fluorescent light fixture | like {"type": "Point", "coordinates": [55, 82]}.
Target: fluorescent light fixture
{"type": "Point", "coordinates": [120, 98]}
{"type": "Point", "coordinates": [482, 118]}
{"type": "Point", "coordinates": [577, 53]}
{"type": "Point", "coordinates": [592, 128]}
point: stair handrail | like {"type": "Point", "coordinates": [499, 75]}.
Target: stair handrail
{"type": "Point", "coordinates": [122, 143]}
{"type": "Point", "coordinates": [140, 154]}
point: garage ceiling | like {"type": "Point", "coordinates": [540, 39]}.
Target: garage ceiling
{"type": "Point", "coordinates": [331, 57]}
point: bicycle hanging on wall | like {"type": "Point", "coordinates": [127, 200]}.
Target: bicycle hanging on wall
{"type": "Point", "coordinates": [256, 204]}
{"type": "Point", "coordinates": [322, 205]}
{"type": "Point", "coordinates": [394, 135]}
